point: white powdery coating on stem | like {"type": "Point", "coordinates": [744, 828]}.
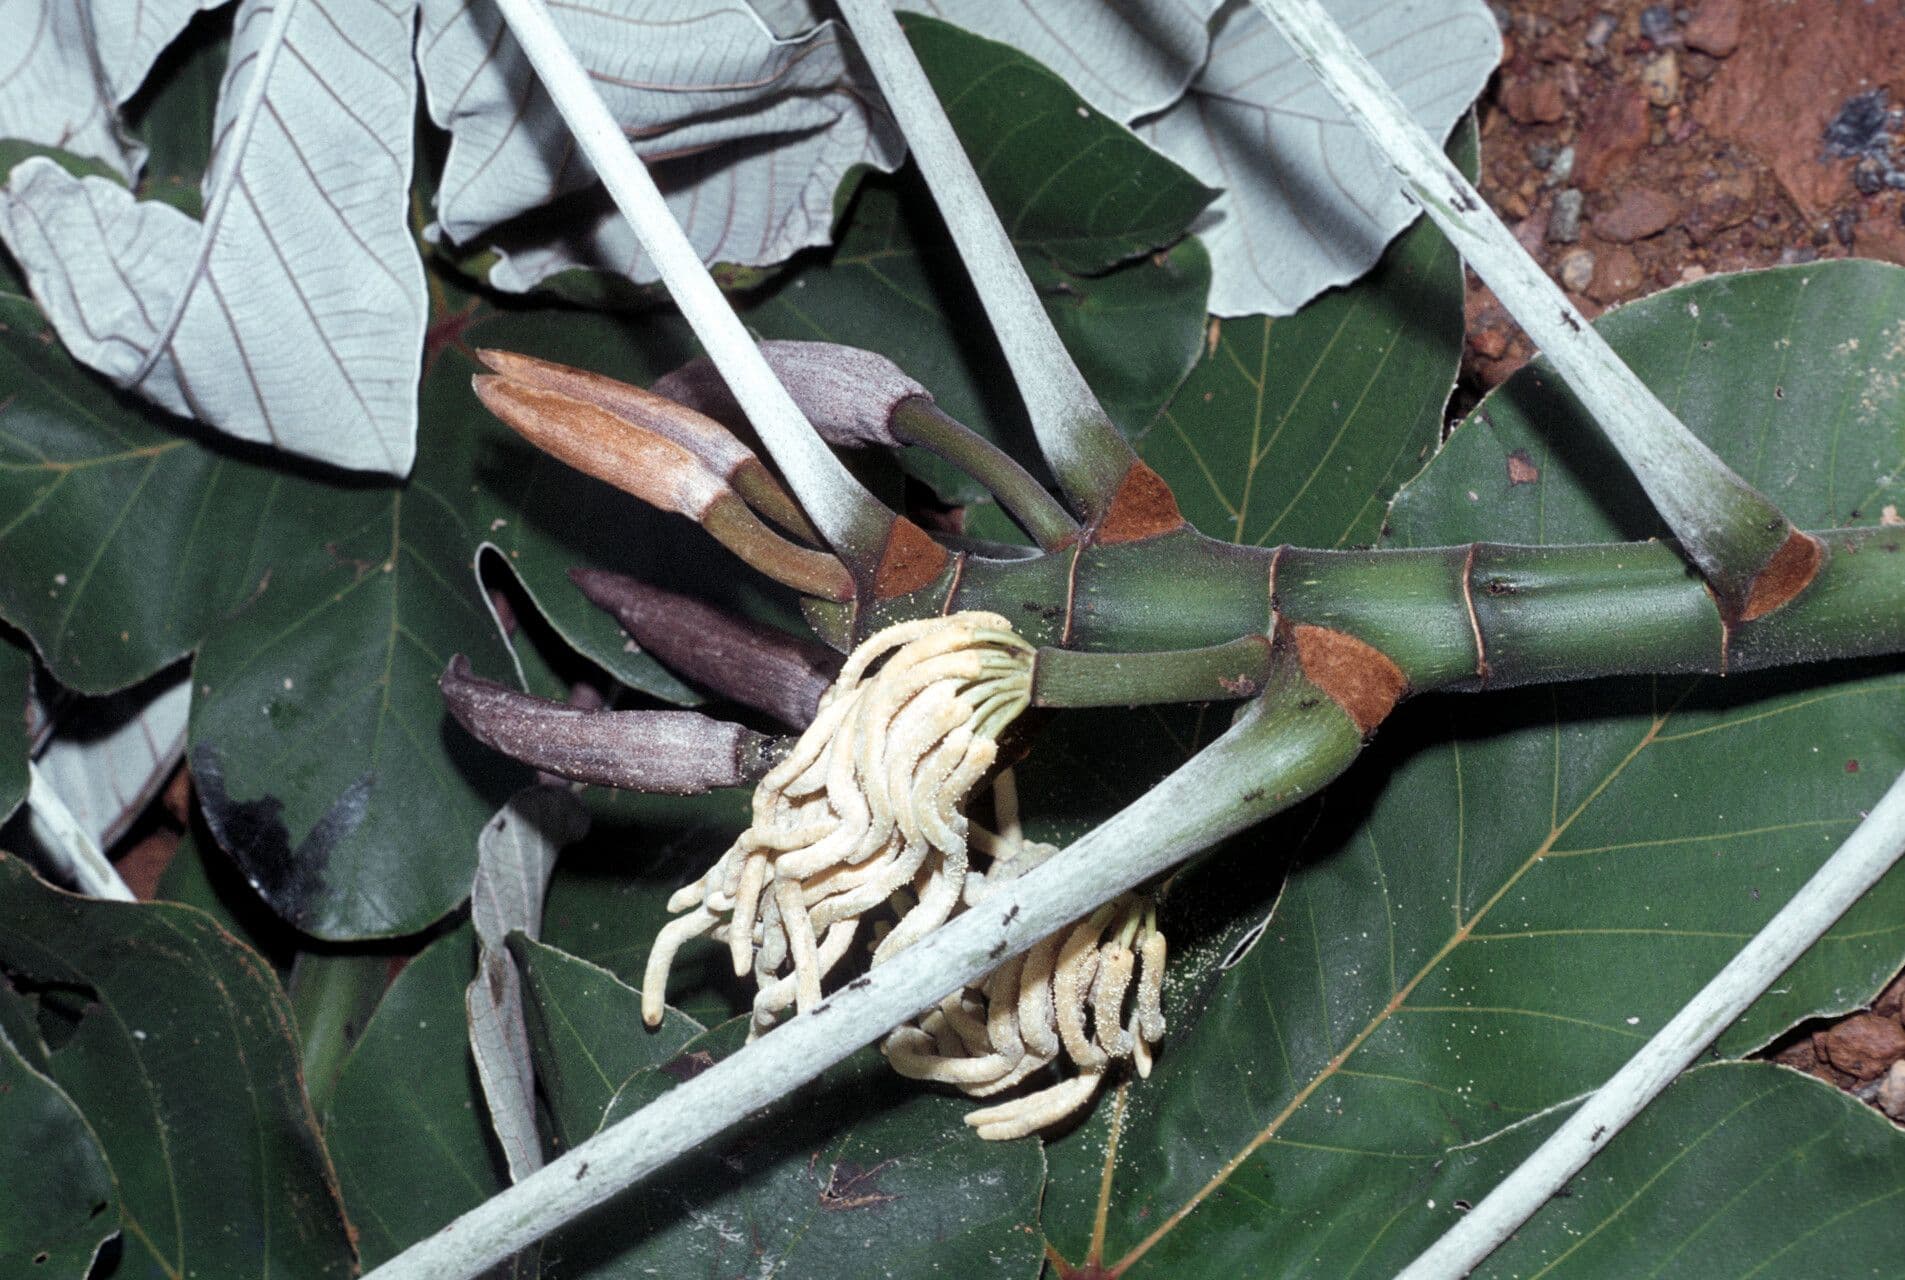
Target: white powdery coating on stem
{"type": "Point", "coordinates": [862, 814]}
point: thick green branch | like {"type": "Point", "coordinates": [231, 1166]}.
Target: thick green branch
{"type": "Point", "coordinates": [1465, 617]}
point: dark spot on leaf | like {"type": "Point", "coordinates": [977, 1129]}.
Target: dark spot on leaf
{"type": "Point", "coordinates": [253, 832]}
{"type": "Point", "coordinates": [1522, 468]}
{"type": "Point", "coordinates": [850, 1186]}
{"type": "Point", "coordinates": [1499, 587]}
{"type": "Point", "coordinates": [1461, 1206]}
{"type": "Point", "coordinates": [685, 1067]}
{"type": "Point", "coordinates": [1852, 766]}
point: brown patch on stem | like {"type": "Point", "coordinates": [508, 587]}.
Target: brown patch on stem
{"type": "Point", "coordinates": [1143, 507]}
{"type": "Point", "coordinates": [911, 561]}
{"type": "Point", "coordinates": [1789, 571]}
{"type": "Point", "coordinates": [1358, 677]}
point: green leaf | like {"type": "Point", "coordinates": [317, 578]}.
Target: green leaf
{"type": "Point", "coordinates": [859, 1174]}
{"type": "Point", "coordinates": [1299, 429]}
{"type": "Point", "coordinates": [319, 743]}
{"type": "Point", "coordinates": [586, 1032]}
{"type": "Point", "coordinates": [407, 1123]}
{"type": "Point", "coordinates": [1738, 1169]}
{"type": "Point", "coordinates": [184, 1064]}
{"type": "Point", "coordinates": [173, 112]}
{"type": "Point", "coordinates": [56, 1212]}
{"type": "Point", "coordinates": [1510, 893]}
{"type": "Point", "coordinates": [1067, 180]}
{"type": "Point", "coordinates": [124, 543]}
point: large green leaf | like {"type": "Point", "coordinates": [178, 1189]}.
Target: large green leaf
{"type": "Point", "coordinates": [1739, 1169]}
{"type": "Point", "coordinates": [859, 1174]}
{"type": "Point", "coordinates": [1066, 180]}
{"type": "Point", "coordinates": [1299, 429]}
{"type": "Point", "coordinates": [123, 542]}
{"type": "Point", "coordinates": [1511, 892]}
{"type": "Point", "coordinates": [318, 715]}
{"type": "Point", "coordinates": [59, 1192]}
{"type": "Point", "coordinates": [580, 1019]}
{"type": "Point", "coordinates": [184, 1064]}
{"type": "Point", "coordinates": [407, 1123]}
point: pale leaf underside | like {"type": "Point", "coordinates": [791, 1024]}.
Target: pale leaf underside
{"type": "Point", "coordinates": [293, 315]}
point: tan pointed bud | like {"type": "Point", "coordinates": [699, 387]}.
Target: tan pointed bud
{"type": "Point", "coordinates": [848, 394]}
{"type": "Point", "coordinates": [716, 446]}
{"type": "Point", "coordinates": [599, 443]}
{"type": "Point", "coordinates": [540, 401]}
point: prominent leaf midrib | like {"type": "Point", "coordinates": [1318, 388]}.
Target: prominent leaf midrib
{"type": "Point", "coordinates": [1397, 1000]}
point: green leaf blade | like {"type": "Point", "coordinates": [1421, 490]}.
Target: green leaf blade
{"type": "Point", "coordinates": [184, 1063]}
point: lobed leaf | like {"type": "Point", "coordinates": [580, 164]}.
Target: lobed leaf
{"type": "Point", "coordinates": [749, 135]}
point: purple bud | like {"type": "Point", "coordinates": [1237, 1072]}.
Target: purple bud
{"type": "Point", "coordinates": [755, 665]}
{"type": "Point", "coordinates": [672, 752]}
{"type": "Point", "coordinates": [848, 394]}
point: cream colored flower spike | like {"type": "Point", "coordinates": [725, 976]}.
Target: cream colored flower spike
{"type": "Point", "coordinates": [863, 813]}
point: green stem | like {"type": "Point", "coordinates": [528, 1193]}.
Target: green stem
{"type": "Point", "coordinates": [918, 421]}
{"type": "Point", "coordinates": [332, 995]}
{"type": "Point", "coordinates": [1736, 535]}
{"type": "Point", "coordinates": [1482, 614]}
{"type": "Point", "coordinates": [1071, 678]}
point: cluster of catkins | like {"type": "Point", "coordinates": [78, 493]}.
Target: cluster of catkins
{"type": "Point", "coordinates": [863, 817]}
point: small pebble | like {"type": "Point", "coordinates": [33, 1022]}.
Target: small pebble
{"type": "Point", "coordinates": [1577, 269]}
{"type": "Point", "coordinates": [1660, 80]}
{"type": "Point", "coordinates": [1601, 30]}
{"type": "Point", "coordinates": [1562, 169]}
{"type": "Point", "coordinates": [1657, 24]}
{"type": "Point", "coordinates": [1541, 155]}
{"type": "Point", "coordinates": [1891, 1097]}
{"type": "Point", "coordinates": [1564, 219]}
{"type": "Point", "coordinates": [1869, 177]}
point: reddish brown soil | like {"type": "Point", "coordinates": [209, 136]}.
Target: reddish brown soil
{"type": "Point", "coordinates": [1692, 139]}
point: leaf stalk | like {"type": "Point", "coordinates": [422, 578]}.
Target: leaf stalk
{"type": "Point", "coordinates": [849, 517]}
{"type": "Point", "coordinates": [1085, 451]}
{"type": "Point", "coordinates": [1743, 544]}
